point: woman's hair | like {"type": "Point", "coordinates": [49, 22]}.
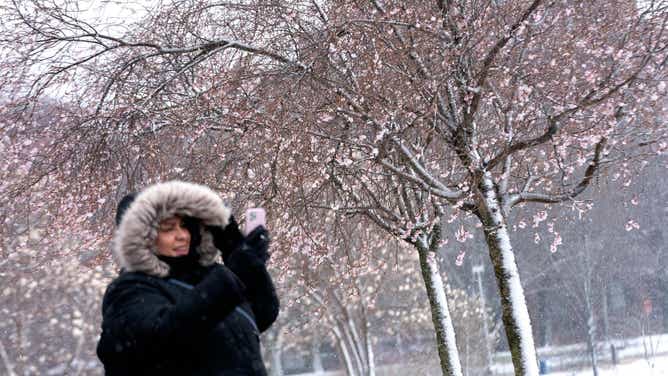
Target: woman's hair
{"type": "Point", "coordinates": [192, 224]}
{"type": "Point", "coordinates": [123, 206]}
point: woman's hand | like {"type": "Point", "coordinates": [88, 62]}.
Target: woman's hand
{"type": "Point", "coordinates": [246, 257]}
{"type": "Point", "coordinates": [227, 240]}
{"type": "Point", "coordinates": [230, 240]}
{"type": "Point", "coordinates": [257, 242]}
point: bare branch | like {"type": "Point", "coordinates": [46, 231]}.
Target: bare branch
{"type": "Point", "coordinates": [489, 59]}
{"type": "Point", "coordinates": [589, 174]}
{"type": "Point", "coordinates": [553, 121]}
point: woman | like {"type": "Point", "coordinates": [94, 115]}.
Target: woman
{"type": "Point", "coordinates": [174, 310]}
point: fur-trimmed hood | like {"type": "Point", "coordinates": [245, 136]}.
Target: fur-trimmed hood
{"type": "Point", "coordinates": [134, 241]}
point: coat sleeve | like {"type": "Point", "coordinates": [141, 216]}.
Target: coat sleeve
{"type": "Point", "coordinates": [138, 317]}
{"type": "Point", "coordinates": [260, 290]}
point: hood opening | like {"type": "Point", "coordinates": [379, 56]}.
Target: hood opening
{"type": "Point", "coordinates": [134, 241]}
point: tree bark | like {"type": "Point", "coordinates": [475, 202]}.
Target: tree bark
{"type": "Point", "coordinates": [589, 306]}
{"type": "Point", "coordinates": [356, 343]}
{"type": "Point", "coordinates": [545, 318]}
{"type": "Point", "coordinates": [440, 314]}
{"type": "Point", "coordinates": [591, 340]}
{"type": "Point", "coordinates": [665, 307]}
{"type": "Point", "coordinates": [606, 320]}
{"type": "Point", "coordinates": [515, 314]}
{"type": "Point", "coordinates": [350, 368]}
{"type": "Point", "coordinates": [276, 363]}
{"type": "Point", "coordinates": [371, 364]}
{"type": "Point", "coordinates": [485, 328]}
{"type": "Point", "coordinates": [351, 344]}
{"type": "Point", "coordinates": [663, 292]}
{"type": "Point", "coordinates": [315, 352]}
{"type": "Point", "coordinates": [7, 362]}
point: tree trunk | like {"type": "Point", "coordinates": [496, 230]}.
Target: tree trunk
{"type": "Point", "coordinates": [351, 344]}
{"type": "Point", "coordinates": [276, 352]}
{"type": "Point", "coordinates": [591, 344]}
{"type": "Point", "coordinates": [591, 326]}
{"type": "Point", "coordinates": [348, 362]}
{"type": "Point", "coordinates": [7, 362]}
{"type": "Point", "coordinates": [356, 344]}
{"type": "Point", "coordinates": [315, 352]}
{"type": "Point", "coordinates": [545, 318]}
{"type": "Point", "coordinates": [606, 321]}
{"type": "Point", "coordinates": [665, 308]}
{"type": "Point", "coordinates": [485, 328]}
{"type": "Point", "coordinates": [515, 314]}
{"type": "Point", "coordinates": [589, 306]}
{"type": "Point", "coordinates": [440, 314]}
{"type": "Point", "coordinates": [75, 362]}
{"type": "Point", "coordinates": [371, 364]}
{"type": "Point", "coordinates": [663, 296]}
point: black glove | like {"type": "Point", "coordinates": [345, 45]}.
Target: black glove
{"type": "Point", "coordinates": [257, 242]}
{"type": "Point", "coordinates": [230, 239]}
{"type": "Point", "coordinates": [248, 262]}
{"type": "Point", "coordinates": [227, 240]}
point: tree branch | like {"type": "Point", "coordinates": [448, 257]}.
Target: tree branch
{"type": "Point", "coordinates": [444, 191]}
{"type": "Point", "coordinates": [489, 58]}
{"type": "Point", "coordinates": [589, 174]}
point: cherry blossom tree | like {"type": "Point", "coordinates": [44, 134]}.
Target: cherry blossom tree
{"type": "Point", "coordinates": [459, 109]}
{"type": "Point", "coordinates": [357, 286]}
{"type": "Point", "coordinates": [576, 286]}
{"type": "Point", "coordinates": [50, 305]}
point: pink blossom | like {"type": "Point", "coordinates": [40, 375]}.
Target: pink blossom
{"type": "Point", "coordinates": [631, 225]}
{"type": "Point", "coordinates": [460, 258]}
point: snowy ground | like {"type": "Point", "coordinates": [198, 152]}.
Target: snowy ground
{"type": "Point", "coordinates": [639, 367]}
{"type": "Point", "coordinates": [634, 354]}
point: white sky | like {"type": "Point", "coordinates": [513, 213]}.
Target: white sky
{"type": "Point", "coordinates": [113, 13]}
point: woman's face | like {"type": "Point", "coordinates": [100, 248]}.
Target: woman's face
{"type": "Point", "coordinates": [173, 238]}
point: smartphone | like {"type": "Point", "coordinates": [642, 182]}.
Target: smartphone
{"type": "Point", "coordinates": [254, 217]}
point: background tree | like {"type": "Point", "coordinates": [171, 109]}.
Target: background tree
{"type": "Point", "coordinates": [50, 308]}
{"type": "Point", "coordinates": [361, 288]}
{"type": "Point", "coordinates": [450, 107]}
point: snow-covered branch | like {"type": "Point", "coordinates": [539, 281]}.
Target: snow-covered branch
{"type": "Point", "coordinates": [589, 174]}
{"type": "Point", "coordinates": [428, 178]}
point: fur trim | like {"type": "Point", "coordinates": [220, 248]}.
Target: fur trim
{"type": "Point", "coordinates": [134, 241]}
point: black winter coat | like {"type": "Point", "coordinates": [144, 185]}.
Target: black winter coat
{"type": "Point", "coordinates": [163, 326]}
{"type": "Point", "coordinates": [204, 319]}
